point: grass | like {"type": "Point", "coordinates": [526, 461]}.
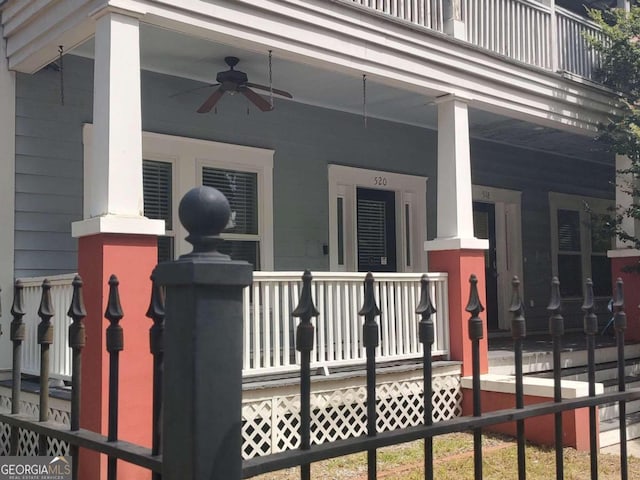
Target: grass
{"type": "Point", "coordinates": [453, 459]}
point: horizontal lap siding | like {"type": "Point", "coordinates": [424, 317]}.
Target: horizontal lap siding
{"type": "Point", "coordinates": [49, 167]}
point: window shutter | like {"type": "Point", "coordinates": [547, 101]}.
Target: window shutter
{"type": "Point", "coordinates": [372, 238]}
{"type": "Point", "coordinates": [157, 188]}
{"type": "Point", "coordinates": [241, 189]}
{"type": "Point", "coordinates": [569, 231]}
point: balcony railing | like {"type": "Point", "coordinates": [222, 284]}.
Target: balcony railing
{"type": "Point", "coordinates": [269, 328]}
{"type": "Point", "coordinates": [524, 30]}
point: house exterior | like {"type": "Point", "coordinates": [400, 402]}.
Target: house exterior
{"type": "Point", "coordinates": [428, 135]}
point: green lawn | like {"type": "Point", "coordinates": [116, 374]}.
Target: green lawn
{"type": "Point", "coordinates": [453, 456]}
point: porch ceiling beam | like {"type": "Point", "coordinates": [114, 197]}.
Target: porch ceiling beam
{"type": "Point", "coordinates": [333, 34]}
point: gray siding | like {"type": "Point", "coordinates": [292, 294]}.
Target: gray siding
{"type": "Point", "coordinates": [305, 140]}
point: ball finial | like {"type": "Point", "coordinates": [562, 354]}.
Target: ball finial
{"type": "Point", "coordinates": [204, 212]}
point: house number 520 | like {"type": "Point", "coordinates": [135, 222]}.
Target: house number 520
{"type": "Point", "coordinates": [380, 181]}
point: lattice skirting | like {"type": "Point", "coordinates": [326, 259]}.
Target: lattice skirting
{"type": "Point", "coordinates": [28, 441]}
{"type": "Point", "coordinates": [271, 424]}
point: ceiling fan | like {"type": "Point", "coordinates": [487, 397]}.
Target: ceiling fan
{"type": "Point", "coordinates": [235, 81]}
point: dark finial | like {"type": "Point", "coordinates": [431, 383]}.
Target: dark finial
{"type": "Point", "coordinates": [618, 294]}
{"type": "Point", "coordinates": [305, 310]}
{"type": "Point", "coordinates": [17, 309]}
{"type": "Point", "coordinates": [555, 302]}
{"type": "Point", "coordinates": [45, 312]}
{"type": "Point", "coordinates": [204, 212]}
{"type": "Point", "coordinates": [474, 307]}
{"type": "Point", "coordinates": [113, 313]}
{"type": "Point", "coordinates": [518, 325]}
{"type": "Point", "coordinates": [77, 312]}
{"type": "Point", "coordinates": [370, 311]}
{"type": "Point", "coordinates": [76, 309]}
{"type": "Point", "coordinates": [556, 322]}
{"type": "Point", "coordinates": [369, 306]}
{"type": "Point", "coordinates": [588, 306]}
{"type": "Point", "coordinates": [619, 317]}
{"type": "Point", "coordinates": [425, 309]}
{"type": "Point", "coordinates": [17, 330]}
{"type": "Point", "coordinates": [156, 313]}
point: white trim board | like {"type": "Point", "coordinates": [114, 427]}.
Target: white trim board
{"type": "Point", "coordinates": [409, 190]}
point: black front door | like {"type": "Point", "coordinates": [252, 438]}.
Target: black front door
{"type": "Point", "coordinates": [484, 226]}
{"type": "Point", "coordinates": [376, 224]}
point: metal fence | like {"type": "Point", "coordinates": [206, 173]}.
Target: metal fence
{"type": "Point", "coordinates": [199, 351]}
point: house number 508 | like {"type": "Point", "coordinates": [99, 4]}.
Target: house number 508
{"type": "Point", "coordinates": [380, 181]}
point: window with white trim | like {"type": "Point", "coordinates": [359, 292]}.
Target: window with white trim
{"type": "Point", "coordinates": [578, 243]}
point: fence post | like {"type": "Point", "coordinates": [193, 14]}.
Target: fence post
{"type": "Point", "coordinates": [202, 429]}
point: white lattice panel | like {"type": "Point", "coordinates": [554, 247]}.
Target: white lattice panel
{"type": "Point", "coordinates": [271, 425]}
{"type": "Point", "coordinates": [28, 441]}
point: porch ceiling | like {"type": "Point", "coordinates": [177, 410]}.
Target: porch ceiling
{"type": "Point", "coordinates": [199, 60]}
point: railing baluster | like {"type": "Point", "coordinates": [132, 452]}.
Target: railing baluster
{"type": "Point", "coordinates": [370, 340]}
{"type": "Point", "coordinates": [518, 332]}
{"type": "Point", "coordinates": [77, 341]}
{"type": "Point", "coordinates": [304, 344]}
{"type": "Point", "coordinates": [427, 336]}
{"type": "Point", "coordinates": [556, 328]}
{"type": "Point", "coordinates": [620, 325]}
{"type": "Point", "coordinates": [45, 339]}
{"type": "Point", "coordinates": [115, 344]}
{"type": "Point", "coordinates": [156, 343]}
{"type": "Point", "coordinates": [590, 330]}
{"type": "Point", "coordinates": [474, 307]}
{"type": "Point", "coordinates": [17, 336]}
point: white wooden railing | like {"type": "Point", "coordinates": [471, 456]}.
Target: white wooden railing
{"type": "Point", "coordinates": [269, 328]}
{"type": "Point", "coordinates": [519, 29]}
{"type": "Point", "coordinates": [60, 356]}
{"type": "Point", "coordinates": [523, 30]}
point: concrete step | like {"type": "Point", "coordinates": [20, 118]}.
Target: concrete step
{"type": "Point", "coordinates": [610, 434]}
{"type": "Point", "coordinates": [604, 372]}
{"type": "Point", "coordinates": [502, 361]}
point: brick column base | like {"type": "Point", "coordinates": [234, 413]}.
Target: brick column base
{"type": "Point", "coordinates": [131, 258]}
{"type": "Point", "coordinates": [631, 293]}
{"type": "Point", "coordinates": [460, 264]}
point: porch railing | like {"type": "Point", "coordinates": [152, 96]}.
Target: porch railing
{"type": "Point", "coordinates": [269, 329]}
{"type": "Point", "coordinates": [61, 291]}
{"type": "Point", "coordinates": [519, 29]}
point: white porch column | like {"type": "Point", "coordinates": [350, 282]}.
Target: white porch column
{"type": "Point", "coordinates": [626, 4]}
{"type": "Point", "coordinates": [113, 196]}
{"type": "Point", "coordinates": [455, 198]}
{"type": "Point", "coordinates": [624, 200]}
{"type": "Point", "coordinates": [7, 196]}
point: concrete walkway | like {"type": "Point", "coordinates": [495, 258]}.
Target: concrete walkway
{"type": "Point", "coordinates": [633, 448]}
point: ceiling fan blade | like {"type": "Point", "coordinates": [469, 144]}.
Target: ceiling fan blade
{"type": "Point", "coordinates": [282, 93]}
{"type": "Point", "coordinates": [201, 87]}
{"type": "Point", "coordinates": [256, 99]}
{"type": "Point", "coordinates": [211, 101]}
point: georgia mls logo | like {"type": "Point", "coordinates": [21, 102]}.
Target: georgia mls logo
{"type": "Point", "coordinates": [35, 468]}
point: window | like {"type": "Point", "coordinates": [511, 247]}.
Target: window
{"type": "Point", "coordinates": [579, 244]}
{"type": "Point", "coordinates": [157, 182]}
{"type": "Point", "coordinates": [241, 189]}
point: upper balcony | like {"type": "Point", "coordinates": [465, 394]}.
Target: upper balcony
{"type": "Point", "coordinates": [536, 32]}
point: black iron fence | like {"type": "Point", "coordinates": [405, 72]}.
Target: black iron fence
{"type": "Point", "coordinates": [196, 426]}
